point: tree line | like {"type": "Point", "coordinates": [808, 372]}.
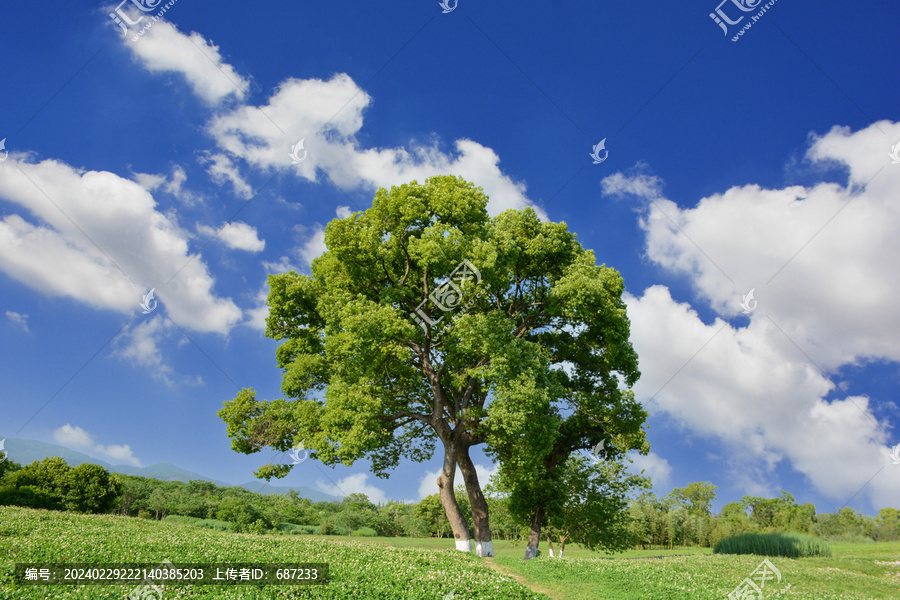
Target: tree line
{"type": "Point", "coordinates": [681, 518]}
{"type": "Point", "coordinates": [684, 518]}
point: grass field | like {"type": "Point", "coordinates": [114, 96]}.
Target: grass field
{"type": "Point", "coordinates": [405, 568]}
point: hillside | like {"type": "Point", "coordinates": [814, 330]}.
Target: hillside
{"type": "Point", "coordinates": [27, 451]}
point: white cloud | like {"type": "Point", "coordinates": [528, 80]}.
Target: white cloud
{"type": "Point", "coordinates": [654, 466]}
{"type": "Point", "coordinates": [326, 114]}
{"type": "Point", "coordinates": [428, 482]}
{"type": "Point", "coordinates": [237, 236]}
{"type": "Point", "coordinates": [18, 319]}
{"type": "Point", "coordinates": [758, 387]}
{"type": "Point", "coordinates": [165, 49]}
{"type": "Point", "coordinates": [256, 316]}
{"type": "Point", "coordinates": [79, 439]}
{"type": "Point", "coordinates": [354, 484]}
{"type": "Point", "coordinates": [173, 185]}
{"type": "Point", "coordinates": [139, 344]}
{"type": "Point", "coordinates": [636, 184]}
{"type": "Point", "coordinates": [222, 170]}
{"type": "Point", "coordinates": [301, 108]}
{"type": "Point", "coordinates": [101, 241]}
{"type": "Point", "coordinates": [314, 245]}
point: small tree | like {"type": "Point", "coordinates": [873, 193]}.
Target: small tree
{"type": "Point", "coordinates": [594, 510]}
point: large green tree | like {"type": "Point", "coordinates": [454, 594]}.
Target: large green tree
{"type": "Point", "coordinates": [426, 321]}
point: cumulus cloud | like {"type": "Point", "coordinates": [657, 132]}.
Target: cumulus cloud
{"type": "Point", "coordinates": [99, 239]}
{"type": "Point", "coordinates": [256, 316]}
{"type": "Point", "coordinates": [653, 466]}
{"type": "Point", "coordinates": [237, 236]}
{"type": "Point", "coordinates": [354, 484]}
{"type": "Point", "coordinates": [822, 260]}
{"type": "Point", "coordinates": [326, 115]}
{"type": "Point", "coordinates": [78, 439]}
{"type": "Point", "coordinates": [164, 48]}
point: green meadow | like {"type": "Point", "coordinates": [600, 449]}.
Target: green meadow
{"type": "Point", "coordinates": [411, 568]}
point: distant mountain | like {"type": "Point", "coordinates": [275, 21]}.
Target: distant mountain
{"type": "Point", "coordinates": [26, 452]}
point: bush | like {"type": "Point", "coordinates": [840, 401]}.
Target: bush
{"type": "Point", "coordinates": [365, 532]}
{"type": "Point", "coordinates": [789, 545]}
{"type": "Point", "coordinates": [145, 514]}
{"type": "Point", "coordinates": [258, 527]}
{"type": "Point", "coordinates": [29, 496]}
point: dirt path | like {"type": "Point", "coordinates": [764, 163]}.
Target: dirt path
{"type": "Point", "coordinates": [554, 594]}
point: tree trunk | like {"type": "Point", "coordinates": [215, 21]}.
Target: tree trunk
{"type": "Point", "coordinates": [562, 545]}
{"type": "Point", "coordinates": [550, 545]}
{"type": "Point", "coordinates": [480, 518]}
{"type": "Point", "coordinates": [534, 537]}
{"type": "Point", "coordinates": [448, 499]}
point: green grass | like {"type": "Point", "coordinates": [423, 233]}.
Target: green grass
{"type": "Point", "coordinates": [853, 573]}
{"type": "Point", "coordinates": [357, 571]}
{"type": "Point", "coordinates": [789, 545]}
{"type": "Point", "coordinates": [381, 568]}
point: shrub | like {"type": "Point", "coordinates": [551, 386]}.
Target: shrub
{"type": "Point", "coordinates": [29, 496]}
{"type": "Point", "coordinates": [365, 532]}
{"type": "Point", "coordinates": [258, 527]}
{"type": "Point", "coordinates": [145, 514]}
{"type": "Point", "coordinates": [789, 545]}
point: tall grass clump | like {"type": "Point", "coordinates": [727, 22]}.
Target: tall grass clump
{"type": "Point", "coordinates": [789, 545]}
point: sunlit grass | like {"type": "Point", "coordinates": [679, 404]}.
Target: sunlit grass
{"type": "Point", "coordinates": [357, 570]}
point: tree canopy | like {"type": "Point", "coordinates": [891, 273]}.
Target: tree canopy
{"type": "Point", "coordinates": [428, 321]}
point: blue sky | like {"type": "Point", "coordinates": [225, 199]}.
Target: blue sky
{"type": "Point", "coordinates": [163, 162]}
